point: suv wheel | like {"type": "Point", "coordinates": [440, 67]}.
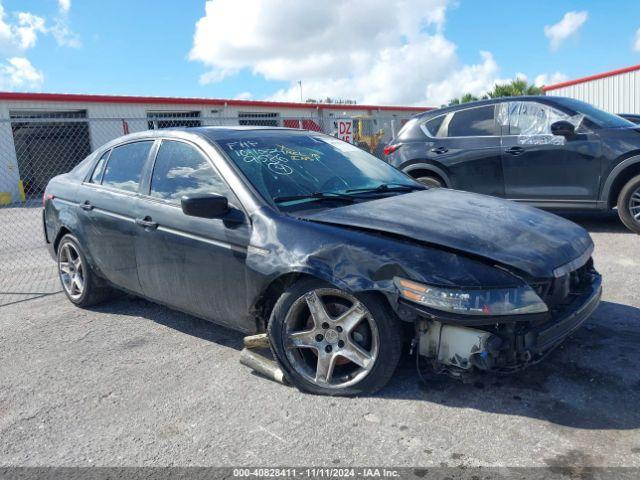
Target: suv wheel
{"type": "Point", "coordinates": [331, 342]}
{"type": "Point", "coordinates": [79, 282]}
{"type": "Point", "coordinates": [629, 204]}
{"type": "Point", "coordinates": [430, 181]}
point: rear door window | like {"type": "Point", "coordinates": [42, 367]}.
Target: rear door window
{"type": "Point", "coordinates": [96, 177]}
{"type": "Point", "coordinates": [434, 126]}
{"type": "Point", "coordinates": [125, 164]}
{"type": "Point", "coordinates": [473, 122]}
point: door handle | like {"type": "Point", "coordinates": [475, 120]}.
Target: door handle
{"type": "Point", "coordinates": [86, 206]}
{"type": "Point", "coordinates": [440, 150]}
{"type": "Point", "coordinates": [146, 222]}
{"type": "Point", "coordinates": [515, 150]}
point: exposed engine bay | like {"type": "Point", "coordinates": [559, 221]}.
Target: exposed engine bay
{"type": "Point", "coordinates": [508, 345]}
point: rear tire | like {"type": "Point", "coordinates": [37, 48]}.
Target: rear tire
{"type": "Point", "coordinates": [429, 181]}
{"type": "Point", "coordinates": [629, 204]}
{"type": "Point", "coordinates": [351, 348]}
{"type": "Point", "coordinates": [79, 282]}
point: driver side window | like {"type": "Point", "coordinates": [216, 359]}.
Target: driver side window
{"type": "Point", "coordinates": [180, 169]}
{"type": "Point", "coordinates": [529, 118]}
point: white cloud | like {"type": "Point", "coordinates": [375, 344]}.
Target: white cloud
{"type": "Point", "coordinates": [18, 73]}
{"type": "Point", "coordinates": [64, 5]}
{"type": "Point", "coordinates": [549, 79]}
{"type": "Point", "coordinates": [19, 32]}
{"type": "Point", "coordinates": [243, 96]}
{"type": "Point", "coordinates": [565, 28]}
{"type": "Point", "coordinates": [29, 25]}
{"type": "Point", "coordinates": [64, 36]}
{"type": "Point", "coordinates": [61, 31]}
{"type": "Point", "coordinates": [19, 36]}
{"type": "Point", "coordinates": [374, 51]}
{"type": "Point", "coordinates": [636, 42]}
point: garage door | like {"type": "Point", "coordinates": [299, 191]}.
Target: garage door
{"type": "Point", "coordinates": [48, 144]}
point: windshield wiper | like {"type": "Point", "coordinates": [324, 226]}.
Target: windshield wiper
{"type": "Point", "coordinates": [316, 196]}
{"type": "Point", "coordinates": [388, 187]}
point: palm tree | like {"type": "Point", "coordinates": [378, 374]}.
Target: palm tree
{"type": "Point", "coordinates": [512, 89]}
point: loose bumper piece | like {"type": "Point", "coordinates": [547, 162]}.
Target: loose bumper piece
{"type": "Point", "coordinates": [261, 364]}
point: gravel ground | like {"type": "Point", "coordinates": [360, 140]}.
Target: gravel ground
{"type": "Point", "coordinates": [133, 383]}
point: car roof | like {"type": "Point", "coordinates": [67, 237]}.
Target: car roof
{"type": "Point", "coordinates": [210, 133]}
{"type": "Point", "coordinates": [490, 101]}
{"type": "Point", "coordinates": [218, 133]}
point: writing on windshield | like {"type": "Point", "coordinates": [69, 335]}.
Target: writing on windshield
{"type": "Point", "coordinates": [285, 164]}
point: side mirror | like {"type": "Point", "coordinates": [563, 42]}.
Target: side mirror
{"type": "Point", "coordinates": [563, 128]}
{"type": "Point", "coordinates": [208, 205]}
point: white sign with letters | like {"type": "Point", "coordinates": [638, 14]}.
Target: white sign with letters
{"type": "Point", "coordinates": [345, 130]}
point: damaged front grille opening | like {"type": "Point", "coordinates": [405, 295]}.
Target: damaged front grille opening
{"type": "Point", "coordinates": [559, 292]}
{"type": "Point", "coordinates": [507, 346]}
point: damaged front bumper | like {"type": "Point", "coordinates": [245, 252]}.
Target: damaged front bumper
{"type": "Point", "coordinates": [456, 345]}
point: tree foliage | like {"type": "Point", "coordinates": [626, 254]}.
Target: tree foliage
{"type": "Point", "coordinates": [338, 101]}
{"type": "Point", "coordinates": [512, 89]}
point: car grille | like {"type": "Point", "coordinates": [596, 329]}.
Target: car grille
{"type": "Point", "coordinates": [559, 292]}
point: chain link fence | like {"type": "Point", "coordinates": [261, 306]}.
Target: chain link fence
{"type": "Point", "coordinates": [36, 146]}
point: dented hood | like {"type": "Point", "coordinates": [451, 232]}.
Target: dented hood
{"type": "Point", "coordinates": [525, 238]}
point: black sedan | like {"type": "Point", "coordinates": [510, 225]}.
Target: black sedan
{"type": "Point", "coordinates": [331, 251]}
{"type": "Point", "coordinates": [549, 152]}
{"type": "Point", "coordinates": [632, 117]}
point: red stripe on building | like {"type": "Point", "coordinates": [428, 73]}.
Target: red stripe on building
{"type": "Point", "coordinates": [74, 97]}
{"type": "Point", "coordinates": [597, 76]}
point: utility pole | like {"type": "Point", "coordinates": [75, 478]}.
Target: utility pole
{"type": "Point", "coordinates": [300, 85]}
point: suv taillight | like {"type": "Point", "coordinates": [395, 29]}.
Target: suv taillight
{"type": "Point", "coordinates": [46, 196]}
{"type": "Point", "coordinates": [389, 149]}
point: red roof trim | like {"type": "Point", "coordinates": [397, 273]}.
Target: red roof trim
{"type": "Point", "coordinates": [597, 76]}
{"type": "Point", "coordinates": [72, 97]}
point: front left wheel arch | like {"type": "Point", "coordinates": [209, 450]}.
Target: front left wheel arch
{"type": "Point", "coordinates": [262, 307]}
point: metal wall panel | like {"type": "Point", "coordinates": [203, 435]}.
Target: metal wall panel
{"type": "Point", "coordinates": [616, 94]}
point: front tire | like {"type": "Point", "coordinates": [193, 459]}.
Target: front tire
{"type": "Point", "coordinates": [79, 282]}
{"type": "Point", "coordinates": [629, 204]}
{"type": "Point", "coordinates": [332, 342]}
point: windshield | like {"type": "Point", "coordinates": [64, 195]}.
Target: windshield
{"type": "Point", "coordinates": [599, 117]}
{"type": "Point", "coordinates": [282, 165]}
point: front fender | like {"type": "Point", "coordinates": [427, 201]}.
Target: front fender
{"type": "Point", "coordinates": [356, 259]}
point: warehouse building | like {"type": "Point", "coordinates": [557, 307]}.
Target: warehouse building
{"type": "Point", "coordinates": [44, 134]}
{"type": "Point", "coordinates": [617, 91]}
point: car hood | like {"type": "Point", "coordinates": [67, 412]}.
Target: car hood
{"type": "Point", "coordinates": [532, 241]}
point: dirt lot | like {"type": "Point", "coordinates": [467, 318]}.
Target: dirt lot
{"type": "Point", "coordinates": [132, 383]}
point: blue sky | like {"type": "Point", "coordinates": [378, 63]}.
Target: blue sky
{"type": "Point", "coordinates": [432, 50]}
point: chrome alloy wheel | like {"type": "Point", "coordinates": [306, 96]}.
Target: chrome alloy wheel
{"type": "Point", "coordinates": [71, 270]}
{"type": "Point", "coordinates": [331, 338]}
{"type": "Point", "coordinates": [634, 205]}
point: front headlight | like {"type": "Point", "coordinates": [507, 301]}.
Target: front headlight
{"type": "Point", "coordinates": [501, 301]}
